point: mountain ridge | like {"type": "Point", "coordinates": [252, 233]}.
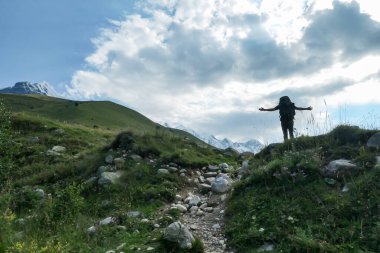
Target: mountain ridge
{"type": "Point", "coordinates": [252, 145]}
{"type": "Point", "coordinates": [25, 87]}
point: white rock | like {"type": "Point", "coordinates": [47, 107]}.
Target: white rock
{"type": "Point", "coordinates": [193, 209]}
{"type": "Point", "coordinates": [110, 177]}
{"type": "Point", "coordinates": [107, 221]}
{"type": "Point", "coordinates": [145, 221]}
{"type": "Point", "coordinates": [59, 149]}
{"type": "Point", "coordinates": [340, 168]}
{"type": "Point", "coordinates": [181, 208]}
{"type": "Point", "coordinates": [221, 184]}
{"type": "Point", "coordinates": [150, 249]}
{"type": "Point", "coordinates": [163, 171]}
{"type": "Point", "coordinates": [40, 192]}
{"type": "Point", "coordinates": [216, 226]}
{"type": "Point", "coordinates": [91, 230]}
{"type": "Point", "coordinates": [194, 200]}
{"type": "Point", "coordinates": [266, 247]}
{"type": "Point", "coordinates": [178, 233]}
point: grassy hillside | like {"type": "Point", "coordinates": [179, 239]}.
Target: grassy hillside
{"type": "Point", "coordinates": [93, 114]}
{"type": "Point", "coordinates": [289, 205]}
{"type": "Point", "coordinates": [49, 200]}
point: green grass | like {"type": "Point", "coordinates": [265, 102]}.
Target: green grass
{"type": "Point", "coordinates": [58, 223]}
{"type": "Point", "coordinates": [287, 202]}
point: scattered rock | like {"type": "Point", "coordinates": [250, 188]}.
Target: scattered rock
{"type": "Point", "coordinates": [243, 170]}
{"type": "Point", "coordinates": [374, 141]}
{"type": "Point", "coordinates": [172, 169]}
{"type": "Point", "coordinates": [107, 221]}
{"type": "Point", "coordinates": [205, 187]}
{"type": "Point", "coordinates": [135, 157]}
{"type": "Point", "coordinates": [221, 184]}
{"type": "Point", "coordinates": [109, 159]}
{"type": "Point", "coordinates": [210, 174]}
{"type": "Point", "coordinates": [107, 178]}
{"type": "Point", "coordinates": [119, 162]}
{"type": "Point", "coordinates": [340, 168]}
{"type": "Point", "coordinates": [181, 208]}
{"type": "Point", "coordinates": [178, 197]}
{"type": "Point", "coordinates": [193, 200]}
{"type": "Point", "coordinates": [133, 214]}
{"type": "Point", "coordinates": [163, 171]}
{"type": "Point", "coordinates": [91, 230]}
{"type": "Point", "coordinates": [212, 168]}
{"type": "Point", "coordinates": [178, 233]}
{"type": "Point", "coordinates": [145, 221]}
{"type": "Point", "coordinates": [40, 193]}
{"type": "Point", "coordinates": [58, 149]}
{"type": "Point", "coordinates": [216, 226]}
{"type": "Point", "coordinates": [266, 247]}
{"type": "Point", "coordinates": [150, 249]}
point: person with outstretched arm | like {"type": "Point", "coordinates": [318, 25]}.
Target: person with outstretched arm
{"type": "Point", "coordinates": [287, 112]}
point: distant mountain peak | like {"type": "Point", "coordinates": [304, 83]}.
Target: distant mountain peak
{"type": "Point", "coordinates": [42, 88]}
{"type": "Point", "coordinates": [249, 146]}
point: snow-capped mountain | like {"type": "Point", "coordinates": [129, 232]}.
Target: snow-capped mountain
{"type": "Point", "coordinates": [250, 146]}
{"type": "Point", "coordinates": [42, 88]}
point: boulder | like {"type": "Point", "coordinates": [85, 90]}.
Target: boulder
{"type": "Point", "coordinates": [178, 233]}
{"type": "Point", "coordinates": [107, 178]}
{"type": "Point", "coordinates": [338, 169]}
{"type": "Point", "coordinates": [221, 184]}
{"type": "Point", "coordinates": [374, 141]}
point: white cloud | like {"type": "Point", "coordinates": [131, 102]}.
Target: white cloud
{"type": "Point", "coordinates": [210, 64]}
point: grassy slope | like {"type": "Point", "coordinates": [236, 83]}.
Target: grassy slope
{"type": "Point", "coordinates": [103, 114]}
{"type": "Point", "coordinates": [59, 224]}
{"type": "Point", "coordinates": [295, 208]}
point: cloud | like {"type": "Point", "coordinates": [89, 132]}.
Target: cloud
{"type": "Point", "coordinates": [210, 64]}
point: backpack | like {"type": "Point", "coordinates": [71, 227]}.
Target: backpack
{"type": "Point", "coordinates": [287, 109]}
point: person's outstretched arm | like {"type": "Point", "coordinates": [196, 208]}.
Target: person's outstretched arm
{"type": "Point", "coordinates": [304, 108]}
{"type": "Point", "coordinates": [269, 110]}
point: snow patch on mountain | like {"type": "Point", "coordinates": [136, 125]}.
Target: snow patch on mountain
{"type": "Point", "coordinates": [42, 88]}
{"type": "Point", "coordinates": [249, 146]}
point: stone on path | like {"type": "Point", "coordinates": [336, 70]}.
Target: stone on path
{"type": "Point", "coordinates": [178, 233]}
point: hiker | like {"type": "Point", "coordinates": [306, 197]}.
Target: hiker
{"type": "Point", "coordinates": [287, 112]}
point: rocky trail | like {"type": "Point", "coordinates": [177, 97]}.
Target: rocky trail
{"type": "Point", "coordinates": [202, 205]}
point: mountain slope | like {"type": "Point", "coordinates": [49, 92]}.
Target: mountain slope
{"type": "Point", "coordinates": [30, 88]}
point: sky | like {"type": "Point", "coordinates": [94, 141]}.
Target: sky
{"type": "Point", "coordinates": [208, 65]}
